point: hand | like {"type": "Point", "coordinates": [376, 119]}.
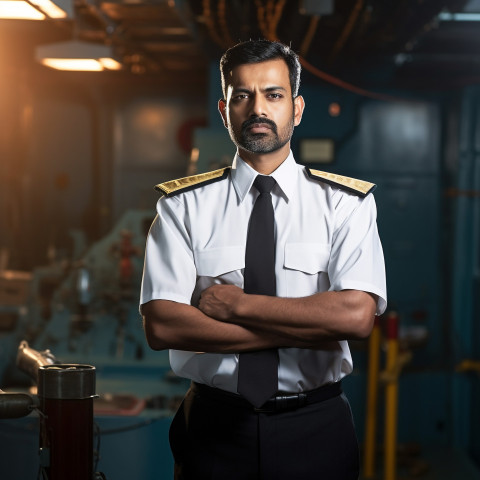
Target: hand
{"type": "Point", "coordinates": [219, 301]}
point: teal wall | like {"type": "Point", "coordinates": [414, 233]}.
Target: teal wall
{"type": "Point", "coordinates": [417, 149]}
{"type": "Point", "coordinates": [466, 273]}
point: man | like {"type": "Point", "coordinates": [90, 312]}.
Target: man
{"type": "Point", "coordinates": [328, 284]}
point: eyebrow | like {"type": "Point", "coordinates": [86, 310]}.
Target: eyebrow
{"type": "Point", "coordinates": [268, 89]}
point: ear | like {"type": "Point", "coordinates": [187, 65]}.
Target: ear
{"type": "Point", "coordinates": [222, 108]}
{"type": "Point", "coordinates": [298, 107]}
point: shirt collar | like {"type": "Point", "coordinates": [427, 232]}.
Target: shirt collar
{"type": "Point", "coordinates": [243, 176]}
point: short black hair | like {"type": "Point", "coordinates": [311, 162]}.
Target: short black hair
{"type": "Point", "coordinates": [256, 51]}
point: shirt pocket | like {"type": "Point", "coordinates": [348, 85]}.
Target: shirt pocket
{"type": "Point", "coordinates": [306, 268]}
{"type": "Point", "coordinates": [220, 261]}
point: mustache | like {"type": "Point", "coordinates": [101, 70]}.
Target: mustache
{"type": "Point", "coordinates": [259, 120]}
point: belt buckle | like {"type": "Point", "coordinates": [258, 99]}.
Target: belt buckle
{"type": "Point", "coordinates": [290, 402]}
{"type": "Point", "coordinates": [282, 403]}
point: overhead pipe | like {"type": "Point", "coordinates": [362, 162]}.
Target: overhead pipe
{"type": "Point", "coordinates": [347, 30]}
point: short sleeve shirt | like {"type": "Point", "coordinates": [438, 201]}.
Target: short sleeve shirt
{"type": "Point", "coordinates": [326, 239]}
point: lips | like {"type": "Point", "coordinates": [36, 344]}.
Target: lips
{"type": "Point", "coordinates": [259, 128]}
{"type": "Point", "coordinates": [259, 125]}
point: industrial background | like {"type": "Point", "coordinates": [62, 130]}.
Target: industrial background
{"type": "Point", "coordinates": [392, 91]}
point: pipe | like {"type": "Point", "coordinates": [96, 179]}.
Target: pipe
{"type": "Point", "coordinates": [372, 400]}
{"type": "Point", "coordinates": [347, 30]}
{"type": "Point", "coordinates": [16, 405]}
{"type": "Point", "coordinates": [391, 398]}
{"type": "Point", "coordinates": [30, 360]}
{"type": "Point", "coordinates": [309, 35]}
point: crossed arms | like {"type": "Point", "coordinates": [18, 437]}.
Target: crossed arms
{"type": "Point", "coordinates": [228, 320]}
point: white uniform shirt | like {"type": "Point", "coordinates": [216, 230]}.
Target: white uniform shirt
{"type": "Point", "coordinates": [326, 239]}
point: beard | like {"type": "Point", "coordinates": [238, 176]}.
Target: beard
{"type": "Point", "coordinates": [261, 142]}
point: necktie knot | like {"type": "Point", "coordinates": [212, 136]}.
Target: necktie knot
{"type": "Point", "coordinates": [264, 184]}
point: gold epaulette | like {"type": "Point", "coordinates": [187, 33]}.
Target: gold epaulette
{"type": "Point", "coordinates": [360, 187]}
{"type": "Point", "coordinates": [173, 187]}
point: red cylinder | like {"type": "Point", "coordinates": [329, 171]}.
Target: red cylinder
{"type": "Point", "coordinates": [66, 431]}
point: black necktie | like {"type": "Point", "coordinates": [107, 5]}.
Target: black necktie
{"type": "Point", "coordinates": [258, 371]}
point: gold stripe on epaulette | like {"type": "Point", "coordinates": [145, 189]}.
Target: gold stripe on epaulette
{"type": "Point", "coordinates": [360, 187]}
{"type": "Point", "coordinates": [188, 183]}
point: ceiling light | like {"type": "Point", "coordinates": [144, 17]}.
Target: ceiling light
{"type": "Point", "coordinates": [57, 9]}
{"type": "Point", "coordinates": [459, 17]}
{"type": "Point", "coordinates": [77, 56]}
{"type": "Point", "coordinates": [36, 9]}
{"type": "Point", "coordinates": [19, 10]}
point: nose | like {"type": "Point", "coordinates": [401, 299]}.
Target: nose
{"type": "Point", "coordinates": [258, 106]}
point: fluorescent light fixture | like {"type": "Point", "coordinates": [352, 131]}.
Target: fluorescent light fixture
{"type": "Point", "coordinates": [73, 64]}
{"type": "Point", "coordinates": [459, 17]}
{"type": "Point", "coordinates": [77, 56]}
{"type": "Point", "coordinates": [110, 63]}
{"type": "Point", "coordinates": [36, 9]}
{"type": "Point", "coordinates": [19, 10]}
{"type": "Point", "coordinates": [59, 9]}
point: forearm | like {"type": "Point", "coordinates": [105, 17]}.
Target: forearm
{"type": "Point", "coordinates": [179, 326]}
{"type": "Point", "coordinates": [341, 315]}
{"type": "Point", "coordinates": [347, 314]}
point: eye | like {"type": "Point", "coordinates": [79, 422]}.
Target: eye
{"type": "Point", "coordinates": [239, 97]}
{"type": "Point", "coordinates": [275, 96]}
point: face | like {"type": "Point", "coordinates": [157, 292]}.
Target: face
{"type": "Point", "coordinates": [259, 111]}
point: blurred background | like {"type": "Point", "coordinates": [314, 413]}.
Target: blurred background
{"type": "Point", "coordinates": [102, 99]}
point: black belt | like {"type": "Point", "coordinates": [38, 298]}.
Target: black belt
{"type": "Point", "coordinates": [279, 403]}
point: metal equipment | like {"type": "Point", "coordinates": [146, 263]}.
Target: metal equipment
{"type": "Point", "coordinates": [86, 311]}
{"type": "Point", "coordinates": [65, 406]}
{"type": "Point", "coordinates": [16, 405]}
{"type": "Point", "coordinates": [66, 395]}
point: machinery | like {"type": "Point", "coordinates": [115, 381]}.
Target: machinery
{"type": "Point", "coordinates": [65, 407]}
{"type": "Point", "coordinates": [85, 310]}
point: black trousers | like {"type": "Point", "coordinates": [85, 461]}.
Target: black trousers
{"type": "Point", "coordinates": [213, 440]}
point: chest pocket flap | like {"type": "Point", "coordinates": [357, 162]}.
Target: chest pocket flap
{"type": "Point", "coordinates": [214, 262]}
{"type": "Point", "coordinates": [307, 257]}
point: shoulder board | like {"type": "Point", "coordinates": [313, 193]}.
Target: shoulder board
{"type": "Point", "coordinates": [174, 187]}
{"type": "Point", "coordinates": [360, 187]}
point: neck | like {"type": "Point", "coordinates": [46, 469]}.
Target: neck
{"type": "Point", "coordinates": [265, 163]}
